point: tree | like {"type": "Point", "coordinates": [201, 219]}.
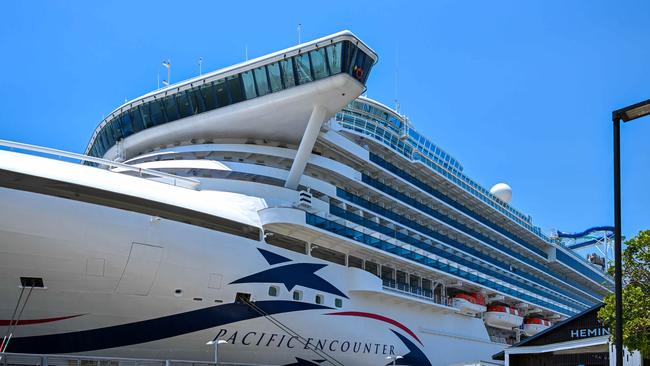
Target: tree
{"type": "Point", "coordinates": [636, 296]}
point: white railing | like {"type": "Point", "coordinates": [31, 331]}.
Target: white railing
{"type": "Point", "coordinates": [171, 179]}
{"type": "Point", "coordinates": [33, 359]}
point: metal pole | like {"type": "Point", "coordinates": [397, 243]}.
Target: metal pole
{"type": "Point", "coordinates": [618, 274]}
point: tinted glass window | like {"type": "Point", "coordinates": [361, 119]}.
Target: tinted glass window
{"type": "Point", "coordinates": [116, 130]}
{"type": "Point", "coordinates": [125, 122]}
{"type": "Point", "coordinates": [273, 291]}
{"type": "Point", "coordinates": [275, 79]}
{"type": "Point", "coordinates": [303, 68]}
{"type": "Point", "coordinates": [146, 115]}
{"type": "Point", "coordinates": [208, 93]}
{"type": "Point", "coordinates": [106, 144]}
{"type": "Point", "coordinates": [198, 106]}
{"type": "Point", "coordinates": [260, 80]}
{"type": "Point", "coordinates": [136, 119]}
{"type": "Point", "coordinates": [235, 88]}
{"type": "Point", "coordinates": [338, 303]}
{"type": "Point", "coordinates": [157, 114]}
{"type": "Point", "coordinates": [222, 93]}
{"type": "Point", "coordinates": [318, 63]}
{"type": "Point", "coordinates": [249, 84]}
{"type": "Point", "coordinates": [348, 55]}
{"type": "Point", "coordinates": [171, 109]}
{"type": "Point", "coordinates": [184, 106]}
{"type": "Point", "coordinates": [358, 70]}
{"type": "Point", "coordinates": [334, 58]}
{"type": "Point", "coordinates": [286, 66]}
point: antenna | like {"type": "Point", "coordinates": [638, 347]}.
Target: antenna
{"type": "Point", "coordinates": [200, 64]}
{"type": "Point", "coordinates": [397, 105]}
{"type": "Point", "coordinates": [299, 28]}
{"type": "Point", "coordinates": [168, 65]}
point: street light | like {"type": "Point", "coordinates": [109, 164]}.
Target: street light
{"type": "Point", "coordinates": [394, 359]}
{"type": "Point", "coordinates": [168, 65]}
{"type": "Point", "coordinates": [626, 114]}
{"type": "Point", "coordinates": [216, 348]}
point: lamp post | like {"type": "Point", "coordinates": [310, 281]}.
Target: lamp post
{"type": "Point", "coordinates": [168, 65]}
{"type": "Point", "coordinates": [626, 114]}
{"type": "Point", "coordinates": [394, 359]}
{"type": "Point", "coordinates": [216, 344]}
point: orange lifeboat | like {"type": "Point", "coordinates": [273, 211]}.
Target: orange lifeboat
{"type": "Point", "coordinates": [469, 304]}
{"type": "Point", "coordinates": [533, 326]}
{"type": "Point", "coordinates": [502, 317]}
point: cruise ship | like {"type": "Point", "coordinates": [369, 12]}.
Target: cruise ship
{"type": "Point", "coordinates": [272, 211]}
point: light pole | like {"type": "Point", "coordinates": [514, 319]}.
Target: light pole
{"type": "Point", "coordinates": [216, 344]}
{"type": "Point", "coordinates": [168, 65]}
{"type": "Point", "coordinates": [394, 359]}
{"type": "Point", "coordinates": [626, 114]}
{"type": "Point", "coordinates": [200, 64]}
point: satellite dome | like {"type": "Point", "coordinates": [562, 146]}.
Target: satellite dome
{"type": "Point", "coordinates": [502, 191]}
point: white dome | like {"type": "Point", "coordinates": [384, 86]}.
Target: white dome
{"type": "Point", "coordinates": [502, 191]}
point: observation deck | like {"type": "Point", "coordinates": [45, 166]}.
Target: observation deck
{"type": "Point", "coordinates": [270, 97]}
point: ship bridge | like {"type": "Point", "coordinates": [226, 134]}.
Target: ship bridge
{"type": "Point", "coordinates": [284, 96]}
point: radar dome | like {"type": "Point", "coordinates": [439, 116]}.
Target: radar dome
{"type": "Point", "coordinates": [502, 191]}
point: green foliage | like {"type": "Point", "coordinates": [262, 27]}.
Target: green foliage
{"type": "Point", "coordinates": [636, 296]}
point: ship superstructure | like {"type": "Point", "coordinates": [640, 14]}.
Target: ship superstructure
{"type": "Point", "coordinates": [312, 216]}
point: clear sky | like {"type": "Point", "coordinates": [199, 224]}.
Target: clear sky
{"type": "Point", "coordinates": [517, 91]}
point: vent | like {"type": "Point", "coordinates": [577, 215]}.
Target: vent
{"type": "Point", "coordinates": [304, 200]}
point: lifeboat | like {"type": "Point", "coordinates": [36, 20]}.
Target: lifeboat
{"type": "Point", "coordinates": [533, 326]}
{"type": "Point", "coordinates": [502, 317]}
{"type": "Point", "coordinates": [469, 304]}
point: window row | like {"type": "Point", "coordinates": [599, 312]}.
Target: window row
{"type": "Point", "coordinates": [342, 57]}
{"type": "Point", "coordinates": [297, 295]}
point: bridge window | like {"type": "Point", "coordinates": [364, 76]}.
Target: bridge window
{"type": "Point", "coordinates": [288, 77]}
{"type": "Point", "coordinates": [208, 93]}
{"type": "Point", "coordinates": [171, 109]}
{"type": "Point", "coordinates": [318, 64]}
{"type": "Point", "coordinates": [198, 106]}
{"type": "Point", "coordinates": [235, 88]}
{"type": "Point", "coordinates": [184, 106]}
{"type": "Point", "coordinates": [249, 84]}
{"type": "Point", "coordinates": [261, 81]}
{"type": "Point", "coordinates": [157, 114]}
{"type": "Point", "coordinates": [303, 68]}
{"type": "Point", "coordinates": [222, 93]}
{"type": "Point", "coordinates": [334, 58]}
{"type": "Point", "coordinates": [275, 79]}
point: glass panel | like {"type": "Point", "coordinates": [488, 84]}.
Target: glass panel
{"type": "Point", "coordinates": [303, 68]}
{"type": "Point", "coordinates": [274, 76]}
{"type": "Point", "coordinates": [136, 119]}
{"type": "Point", "coordinates": [184, 106]}
{"type": "Point", "coordinates": [286, 67]}
{"type": "Point", "coordinates": [235, 89]}
{"type": "Point", "coordinates": [348, 55]}
{"type": "Point", "coordinates": [261, 81]}
{"type": "Point", "coordinates": [334, 58]}
{"type": "Point", "coordinates": [358, 70]}
{"type": "Point", "coordinates": [116, 131]}
{"type": "Point", "coordinates": [208, 93]}
{"type": "Point", "coordinates": [222, 93]}
{"type": "Point", "coordinates": [104, 137]}
{"type": "Point", "coordinates": [157, 113]}
{"type": "Point", "coordinates": [318, 64]}
{"type": "Point", "coordinates": [146, 115]}
{"type": "Point", "coordinates": [171, 109]}
{"type": "Point", "coordinates": [249, 84]}
{"type": "Point", "coordinates": [127, 129]}
{"type": "Point", "coordinates": [198, 106]}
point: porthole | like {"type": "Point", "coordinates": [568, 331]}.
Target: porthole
{"type": "Point", "coordinates": [319, 299]}
{"type": "Point", "coordinates": [178, 292]}
{"type": "Point", "coordinates": [297, 295]}
{"type": "Point", "coordinates": [273, 291]}
{"type": "Point", "coordinates": [338, 303]}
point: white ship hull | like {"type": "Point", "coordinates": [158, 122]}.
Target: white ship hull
{"type": "Point", "coordinates": [111, 275]}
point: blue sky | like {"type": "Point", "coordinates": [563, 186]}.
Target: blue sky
{"type": "Point", "coordinates": [517, 91]}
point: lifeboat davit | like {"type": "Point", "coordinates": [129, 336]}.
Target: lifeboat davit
{"type": "Point", "coordinates": [533, 326]}
{"type": "Point", "coordinates": [503, 317]}
{"type": "Point", "coordinates": [469, 304]}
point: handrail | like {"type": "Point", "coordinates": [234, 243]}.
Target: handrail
{"type": "Point", "coordinates": [175, 180]}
